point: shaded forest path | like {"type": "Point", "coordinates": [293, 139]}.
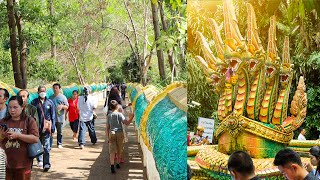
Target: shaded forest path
{"type": "Point", "coordinates": [92, 162]}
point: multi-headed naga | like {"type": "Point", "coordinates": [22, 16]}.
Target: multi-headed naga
{"type": "Point", "coordinates": [253, 87]}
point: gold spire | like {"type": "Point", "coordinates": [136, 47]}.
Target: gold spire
{"type": "Point", "coordinates": [215, 32]}
{"type": "Point", "coordinates": [286, 51]}
{"type": "Point", "coordinates": [272, 54]}
{"type": "Point", "coordinates": [254, 42]}
{"type": "Point", "coordinates": [232, 32]}
{"type": "Point", "coordinates": [206, 51]}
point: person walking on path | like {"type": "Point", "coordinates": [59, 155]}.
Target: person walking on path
{"type": "Point", "coordinates": [29, 109]}
{"type": "Point", "coordinates": [4, 96]}
{"type": "Point", "coordinates": [114, 133]}
{"type": "Point", "coordinates": [73, 113]}
{"type": "Point", "coordinates": [47, 118]}
{"type": "Point", "coordinates": [125, 140]}
{"type": "Point", "coordinates": [20, 131]}
{"type": "Point", "coordinates": [123, 88]}
{"type": "Point", "coordinates": [302, 134]}
{"type": "Point", "coordinates": [114, 95]}
{"type": "Point", "coordinates": [61, 103]}
{"type": "Point", "coordinates": [86, 105]}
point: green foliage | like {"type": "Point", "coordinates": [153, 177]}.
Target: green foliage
{"type": "Point", "coordinates": [115, 74]}
{"type": "Point", "coordinates": [313, 114]}
{"type": "Point", "coordinates": [5, 66]}
{"type": "Point", "coordinates": [130, 69]}
{"type": "Point", "coordinates": [49, 70]}
{"type": "Point", "coordinates": [199, 90]}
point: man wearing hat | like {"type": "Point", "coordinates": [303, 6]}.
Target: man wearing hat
{"type": "Point", "coordinates": [199, 139]}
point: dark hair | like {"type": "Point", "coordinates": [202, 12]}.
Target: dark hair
{"type": "Point", "coordinates": [85, 93]}
{"type": "Point", "coordinates": [23, 90]}
{"type": "Point", "coordinates": [315, 151]}
{"type": "Point", "coordinates": [114, 91]}
{"type": "Point", "coordinates": [6, 93]}
{"type": "Point", "coordinates": [241, 162]}
{"type": "Point", "coordinates": [75, 91]}
{"type": "Point", "coordinates": [41, 86]}
{"type": "Point", "coordinates": [114, 95]}
{"type": "Point", "coordinates": [113, 104]}
{"type": "Point", "coordinates": [286, 156]}
{"type": "Point", "coordinates": [56, 84]}
{"type": "Point", "coordinates": [20, 102]}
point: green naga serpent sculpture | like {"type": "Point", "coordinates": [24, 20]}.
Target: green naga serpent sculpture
{"type": "Point", "coordinates": [253, 88]}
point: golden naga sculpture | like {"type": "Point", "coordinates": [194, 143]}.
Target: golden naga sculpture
{"type": "Point", "coordinates": [253, 88]}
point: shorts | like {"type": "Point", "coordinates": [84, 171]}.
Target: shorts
{"type": "Point", "coordinates": [116, 142]}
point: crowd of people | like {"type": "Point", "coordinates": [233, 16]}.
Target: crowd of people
{"type": "Point", "coordinates": [22, 124]}
{"type": "Point", "coordinates": [241, 167]}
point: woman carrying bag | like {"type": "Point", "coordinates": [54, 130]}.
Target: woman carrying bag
{"type": "Point", "coordinates": [17, 130]}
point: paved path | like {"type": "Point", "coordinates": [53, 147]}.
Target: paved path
{"type": "Point", "coordinates": [92, 162]}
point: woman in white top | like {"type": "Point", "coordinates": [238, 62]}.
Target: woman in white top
{"type": "Point", "coordinates": [86, 105]}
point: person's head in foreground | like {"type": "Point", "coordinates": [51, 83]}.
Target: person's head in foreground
{"type": "Point", "coordinates": [290, 165]}
{"type": "Point", "coordinates": [241, 166]}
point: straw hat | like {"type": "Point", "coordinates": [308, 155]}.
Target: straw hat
{"type": "Point", "coordinates": [200, 128]}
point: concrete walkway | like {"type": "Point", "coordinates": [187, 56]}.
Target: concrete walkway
{"type": "Point", "coordinates": [92, 162]}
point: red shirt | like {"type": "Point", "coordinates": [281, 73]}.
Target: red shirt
{"type": "Point", "coordinates": [73, 110]}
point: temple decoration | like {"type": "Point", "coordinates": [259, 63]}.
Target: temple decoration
{"type": "Point", "coordinates": [160, 116]}
{"type": "Point", "coordinates": [253, 86]}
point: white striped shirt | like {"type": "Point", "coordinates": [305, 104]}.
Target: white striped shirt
{"type": "Point", "coordinates": [3, 161]}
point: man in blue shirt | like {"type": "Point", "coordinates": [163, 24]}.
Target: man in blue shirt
{"type": "Point", "coordinates": [61, 103]}
{"type": "Point", "coordinates": [46, 112]}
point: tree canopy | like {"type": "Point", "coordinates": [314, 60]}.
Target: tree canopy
{"type": "Point", "coordinates": [85, 41]}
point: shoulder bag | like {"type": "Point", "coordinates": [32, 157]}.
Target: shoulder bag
{"type": "Point", "coordinates": [35, 149]}
{"type": "Point", "coordinates": [47, 124]}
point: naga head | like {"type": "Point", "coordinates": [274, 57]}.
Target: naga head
{"type": "Point", "coordinates": [236, 61]}
{"type": "Point", "coordinates": [271, 69]}
{"type": "Point", "coordinates": [285, 75]}
{"type": "Point", "coordinates": [273, 60]}
{"type": "Point", "coordinates": [235, 48]}
{"type": "Point", "coordinates": [286, 66]}
{"type": "Point", "coordinates": [217, 81]}
{"type": "Point", "coordinates": [254, 65]}
{"type": "Point", "coordinates": [214, 77]}
{"type": "Point", "coordinates": [257, 57]}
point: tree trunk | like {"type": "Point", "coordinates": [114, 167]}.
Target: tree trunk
{"type": "Point", "coordinates": [145, 29]}
{"type": "Point", "coordinates": [137, 56]}
{"type": "Point", "coordinates": [52, 40]}
{"type": "Point", "coordinates": [182, 55]}
{"type": "Point", "coordinates": [23, 50]}
{"type": "Point", "coordinates": [156, 28]}
{"type": "Point", "coordinates": [13, 44]}
{"type": "Point", "coordinates": [75, 64]}
{"type": "Point", "coordinates": [165, 29]}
